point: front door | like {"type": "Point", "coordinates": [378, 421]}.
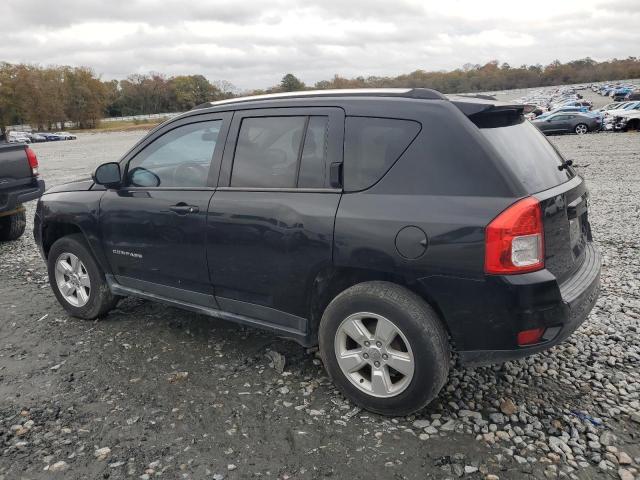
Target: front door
{"type": "Point", "coordinates": [270, 225]}
{"type": "Point", "coordinates": [154, 227]}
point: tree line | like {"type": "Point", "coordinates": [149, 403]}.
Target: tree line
{"type": "Point", "coordinates": [491, 76]}
{"type": "Point", "coordinates": [47, 97]}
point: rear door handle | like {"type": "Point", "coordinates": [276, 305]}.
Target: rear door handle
{"type": "Point", "coordinates": [184, 209]}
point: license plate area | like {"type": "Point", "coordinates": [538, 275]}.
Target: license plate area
{"type": "Point", "coordinates": [579, 231]}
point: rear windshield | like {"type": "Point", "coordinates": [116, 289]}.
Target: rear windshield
{"type": "Point", "coordinates": [531, 156]}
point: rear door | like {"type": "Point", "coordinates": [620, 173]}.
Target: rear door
{"type": "Point", "coordinates": [153, 228]}
{"type": "Point", "coordinates": [270, 223]}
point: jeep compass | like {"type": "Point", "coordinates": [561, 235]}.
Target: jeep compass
{"type": "Point", "coordinates": [388, 226]}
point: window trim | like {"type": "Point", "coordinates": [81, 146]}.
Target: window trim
{"type": "Point", "coordinates": [125, 177]}
{"type": "Point", "coordinates": [335, 141]}
{"type": "Point", "coordinates": [405, 119]}
{"type": "Point", "coordinates": [161, 130]}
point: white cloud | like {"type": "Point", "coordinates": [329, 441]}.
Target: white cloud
{"type": "Point", "coordinates": [253, 43]}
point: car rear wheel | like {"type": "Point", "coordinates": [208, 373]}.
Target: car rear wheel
{"type": "Point", "coordinates": [384, 347]}
{"type": "Point", "coordinates": [12, 226]}
{"type": "Point", "coordinates": [581, 129]}
{"type": "Point", "coordinates": [77, 280]}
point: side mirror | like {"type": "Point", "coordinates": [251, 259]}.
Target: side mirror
{"type": "Point", "coordinates": [141, 177]}
{"type": "Point", "coordinates": [108, 174]}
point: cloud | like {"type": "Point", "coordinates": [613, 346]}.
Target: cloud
{"type": "Point", "coordinates": [254, 43]}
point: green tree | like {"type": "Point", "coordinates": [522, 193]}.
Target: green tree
{"type": "Point", "coordinates": [191, 90]}
{"type": "Point", "coordinates": [290, 83]}
{"type": "Point", "coordinates": [85, 97]}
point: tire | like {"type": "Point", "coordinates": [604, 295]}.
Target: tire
{"type": "Point", "coordinates": [581, 129]}
{"type": "Point", "coordinates": [12, 226]}
{"type": "Point", "coordinates": [421, 337]}
{"type": "Point", "coordinates": [95, 301]}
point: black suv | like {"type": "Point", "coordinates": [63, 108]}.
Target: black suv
{"type": "Point", "coordinates": [387, 226]}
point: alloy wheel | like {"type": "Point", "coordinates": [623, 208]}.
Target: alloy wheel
{"type": "Point", "coordinates": [72, 279]}
{"type": "Point", "coordinates": [581, 129]}
{"type": "Point", "coordinates": [374, 354]}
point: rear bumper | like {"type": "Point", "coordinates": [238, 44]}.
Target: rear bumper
{"type": "Point", "coordinates": [578, 295]}
{"type": "Point", "coordinates": [12, 199]}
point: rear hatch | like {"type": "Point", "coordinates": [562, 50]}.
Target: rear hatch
{"type": "Point", "coordinates": [543, 173]}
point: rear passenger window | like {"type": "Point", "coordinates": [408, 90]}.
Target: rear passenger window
{"type": "Point", "coordinates": [371, 147]}
{"type": "Point", "coordinates": [280, 152]}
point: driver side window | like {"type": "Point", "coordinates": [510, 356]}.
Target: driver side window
{"type": "Point", "coordinates": [179, 158]}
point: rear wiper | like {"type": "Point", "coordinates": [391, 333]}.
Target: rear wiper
{"type": "Point", "coordinates": [565, 164]}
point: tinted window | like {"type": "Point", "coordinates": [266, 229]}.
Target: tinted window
{"type": "Point", "coordinates": [531, 156]}
{"type": "Point", "coordinates": [314, 154]}
{"type": "Point", "coordinates": [267, 152]}
{"type": "Point", "coordinates": [179, 158]}
{"type": "Point", "coordinates": [371, 147]}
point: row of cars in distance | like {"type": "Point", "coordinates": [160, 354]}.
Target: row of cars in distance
{"type": "Point", "coordinates": [618, 91]}
{"type": "Point", "coordinates": [563, 110]}
{"type": "Point", "coordinates": [35, 137]}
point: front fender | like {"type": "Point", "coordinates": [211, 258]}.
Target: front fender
{"type": "Point", "coordinates": [59, 214]}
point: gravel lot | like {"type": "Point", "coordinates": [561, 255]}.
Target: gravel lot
{"type": "Point", "coordinates": [154, 391]}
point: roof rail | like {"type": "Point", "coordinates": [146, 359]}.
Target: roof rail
{"type": "Point", "coordinates": [419, 93]}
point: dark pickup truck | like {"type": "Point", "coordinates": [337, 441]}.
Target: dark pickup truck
{"type": "Point", "coordinates": [19, 183]}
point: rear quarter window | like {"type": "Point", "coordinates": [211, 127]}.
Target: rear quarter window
{"type": "Point", "coordinates": [372, 145]}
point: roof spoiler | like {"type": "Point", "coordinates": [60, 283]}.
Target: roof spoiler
{"type": "Point", "coordinates": [486, 112]}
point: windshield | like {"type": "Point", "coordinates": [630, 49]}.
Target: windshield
{"type": "Point", "coordinates": [532, 158]}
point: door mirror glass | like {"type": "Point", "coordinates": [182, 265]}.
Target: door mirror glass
{"type": "Point", "coordinates": [107, 174]}
{"type": "Point", "coordinates": [141, 177]}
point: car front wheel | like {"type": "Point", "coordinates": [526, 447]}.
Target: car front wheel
{"type": "Point", "coordinates": [77, 280]}
{"type": "Point", "coordinates": [384, 347]}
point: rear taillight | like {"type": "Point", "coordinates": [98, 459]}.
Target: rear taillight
{"type": "Point", "coordinates": [514, 240]}
{"type": "Point", "coordinates": [33, 161]}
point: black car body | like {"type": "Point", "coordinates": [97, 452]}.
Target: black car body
{"type": "Point", "coordinates": [301, 197]}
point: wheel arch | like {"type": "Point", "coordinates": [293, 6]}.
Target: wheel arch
{"type": "Point", "coordinates": [331, 281]}
{"type": "Point", "coordinates": [53, 230]}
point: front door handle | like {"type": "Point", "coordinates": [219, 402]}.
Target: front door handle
{"type": "Point", "coordinates": [184, 209]}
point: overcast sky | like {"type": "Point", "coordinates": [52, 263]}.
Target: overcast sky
{"type": "Point", "coordinates": [253, 43]}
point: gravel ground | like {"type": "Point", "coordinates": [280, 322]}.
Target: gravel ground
{"type": "Point", "coordinates": [154, 391]}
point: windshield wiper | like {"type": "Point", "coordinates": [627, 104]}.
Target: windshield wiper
{"type": "Point", "coordinates": [565, 164]}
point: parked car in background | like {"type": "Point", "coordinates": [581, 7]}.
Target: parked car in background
{"type": "Point", "coordinates": [561, 110]}
{"type": "Point", "coordinates": [610, 115]}
{"type": "Point", "coordinates": [634, 95]}
{"type": "Point", "coordinates": [50, 137]}
{"type": "Point", "coordinates": [18, 137]}
{"type": "Point", "coordinates": [576, 103]}
{"type": "Point", "coordinates": [578, 123]}
{"type": "Point", "coordinates": [629, 120]}
{"type": "Point", "coordinates": [36, 138]}
{"type": "Point", "coordinates": [609, 106]}
{"type": "Point", "coordinates": [620, 93]}
{"type": "Point", "coordinates": [66, 135]}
